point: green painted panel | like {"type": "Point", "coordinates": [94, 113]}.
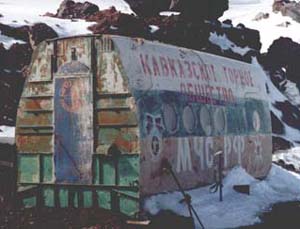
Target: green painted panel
{"type": "Point", "coordinates": [48, 194]}
{"type": "Point", "coordinates": [112, 103]}
{"type": "Point", "coordinates": [76, 203]}
{"type": "Point", "coordinates": [104, 199]}
{"type": "Point", "coordinates": [63, 198]}
{"type": "Point", "coordinates": [108, 171]}
{"type": "Point", "coordinates": [128, 206]}
{"type": "Point", "coordinates": [87, 199]}
{"type": "Point", "coordinates": [47, 161]}
{"type": "Point", "coordinates": [28, 166]}
{"type": "Point", "coordinates": [126, 139]}
{"type": "Point", "coordinates": [96, 175]}
{"type": "Point", "coordinates": [107, 135]}
{"type": "Point", "coordinates": [29, 202]}
{"type": "Point", "coordinates": [129, 169]}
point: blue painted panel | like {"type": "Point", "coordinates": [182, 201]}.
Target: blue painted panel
{"type": "Point", "coordinates": [73, 130]}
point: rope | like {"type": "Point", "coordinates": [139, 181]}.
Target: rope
{"type": "Point", "coordinates": [186, 197]}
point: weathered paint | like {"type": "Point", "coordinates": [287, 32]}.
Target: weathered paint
{"type": "Point", "coordinates": [34, 143]}
{"type": "Point", "coordinates": [110, 78]}
{"type": "Point", "coordinates": [121, 105]}
{"type": "Point", "coordinates": [126, 139]}
{"type": "Point", "coordinates": [41, 65]}
{"type": "Point", "coordinates": [80, 47]}
{"type": "Point", "coordinates": [191, 105]}
{"type": "Point", "coordinates": [73, 130]}
{"type": "Point", "coordinates": [36, 119]}
{"type": "Point", "coordinates": [36, 104]}
{"type": "Point", "coordinates": [40, 89]}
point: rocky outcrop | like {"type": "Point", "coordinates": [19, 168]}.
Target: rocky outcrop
{"type": "Point", "coordinates": [114, 22]}
{"type": "Point", "coordinates": [191, 10]}
{"type": "Point", "coordinates": [149, 8]}
{"type": "Point", "coordinates": [284, 53]}
{"type": "Point", "coordinates": [19, 33]}
{"type": "Point", "coordinates": [287, 8]}
{"type": "Point", "coordinates": [69, 9]}
{"type": "Point", "coordinates": [40, 32]}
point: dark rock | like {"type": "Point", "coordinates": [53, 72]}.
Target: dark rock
{"type": "Point", "coordinates": [287, 8]}
{"type": "Point", "coordinates": [281, 144]}
{"type": "Point", "coordinates": [244, 37]}
{"type": "Point", "coordinates": [261, 16]}
{"type": "Point", "coordinates": [114, 22]}
{"type": "Point", "coordinates": [18, 56]}
{"type": "Point", "coordinates": [3, 53]}
{"type": "Point", "coordinates": [19, 33]}
{"type": "Point", "coordinates": [69, 9]}
{"type": "Point", "coordinates": [291, 114]}
{"type": "Point", "coordinates": [228, 22]}
{"type": "Point", "coordinates": [194, 10]}
{"type": "Point", "coordinates": [284, 24]}
{"type": "Point", "coordinates": [277, 126]}
{"type": "Point", "coordinates": [191, 10]}
{"type": "Point", "coordinates": [284, 53]}
{"type": "Point", "coordinates": [11, 86]}
{"type": "Point", "coordinates": [40, 32]}
{"type": "Point", "coordinates": [148, 8]}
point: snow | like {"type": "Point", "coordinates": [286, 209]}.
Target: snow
{"type": "Point", "coordinates": [153, 28]}
{"type": "Point", "coordinates": [28, 12]}
{"type": "Point", "coordinates": [7, 135]}
{"type": "Point", "coordinates": [244, 11]}
{"type": "Point", "coordinates": [290, 156]}
{"type": "Point", "coordinates": [236, 209]}
{"type": "Point", "coordinates": [225, 44]}
{"type": "Point", "coordinates": [9, 41]}
{"type": "Point", "coordinates": [275, 95]}
{"type": "Point", "coordinates": [292, 93]}
{"type": "Point", "coordinates": [169, 13]}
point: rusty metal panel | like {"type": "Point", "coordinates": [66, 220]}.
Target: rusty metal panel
{"type": "Point", "coordinates": [191, 105]}
{"type": "Point", "coordinates": [41, 63]}
{"type": "Point", "coordinates": [73, 129]}
{"type": "Point", "coordinates": [74, 49]}
{"type": "Point", "coordinates": [110, 78]}
{"type": "Point", "coordinates": [34, 143]}
{"type": "Point", "coordinates": [36, 104]}
{"type": "Point", "coordinates": [125, 139]}
{"type": "Point", "coordinates": [35, 119]}
{"type": "Point", "coordinates": [38, 89]}
{"type": "Point", "coordinates": [122, 118]}
{"type": "Point", "coordinates": [112, 103]}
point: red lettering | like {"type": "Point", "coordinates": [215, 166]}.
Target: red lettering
{"type": "Point", "coordinates": [155, 67]}
{"type": "Point", "coordinates": [189, 69]}
{"type": "Point", "coordinates": [181, 71]}
{"type": "Point", "coordinates": [145, 64]}
{"type": "Point", "coordinates": [194, 71]}
{"type": "Point", "coordinates": [213, 72]}
{"type": "Point", "coordinates": [164, 66]}
{"type": "Point", "coordinates": [203, 73]}
{"type": "Point", "coordinates": [172, 67]}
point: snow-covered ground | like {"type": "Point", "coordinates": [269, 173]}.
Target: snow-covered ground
{"type": "Point", "coordinates": [28, 12]}
{"type": "Point", "coordinates": [236, 209]}
{"type": "Point", "coordinates": [225, 44]}
{"type": "Point", "coordinates": [290, 157]}
{"type": "Point", "coordinates": [7, 134]}
{"type": "Point", "coordinates": [244, 11]}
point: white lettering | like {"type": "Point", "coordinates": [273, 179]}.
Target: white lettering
{"type": "Point", "coordinates": [184, 161]}
{"type": "Point", "coordinates": [198, 149]}
{"type": "Point", "coordinates": [209, 145]}
{"type": "Point", "coordinates": [239, 147]}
